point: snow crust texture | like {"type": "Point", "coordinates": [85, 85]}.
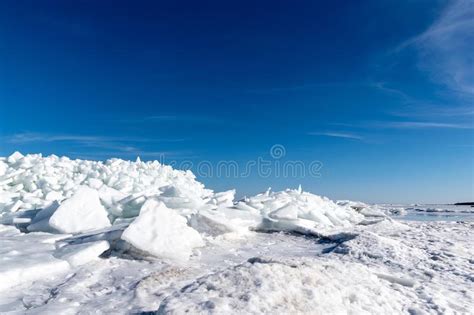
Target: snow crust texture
{"type": "Point", "coordinates": [265, 286]}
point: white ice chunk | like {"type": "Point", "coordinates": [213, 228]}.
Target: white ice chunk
{"type": "Point", "coordinates": [54, 195]}
{"type": "Point", "coordinates": [80, 213]}
{"type": "Point", "coordinates": [80, 254]}
{"type": "Point", "coordinates": [15, 206]}
{"type": "Point", "coordinates": [15, 157]}
{"type": "Point", "coordinates": [110, 196]}
{"type": "Point", "coordinates": [162, 232]}
{"type": "Point", "coordinates": [224, 220]}
{"type": "Point", "coordinates": [224, 199]}
{"type": "Point", "coordinates": [245, 207]}
{"type": "Point", "coordinates": [95, 183]}
{"type": "Point", "coordinates": [287, 212]}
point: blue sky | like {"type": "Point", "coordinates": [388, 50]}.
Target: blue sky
{"type": "Point", "coordinates": [380, 92]}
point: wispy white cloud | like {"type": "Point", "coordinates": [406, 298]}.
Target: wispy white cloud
{"type": "Point", "coordinates": [186, 119]}
{"type": "Point", "coordinates": [419, 108]}
{"type": "Point", "coordinates": [29, 137]}
{"type": "Point", "coordinates": [344, 135]}
{"type": "Point", "coordinates": [433, 111]}
{"type": "Point", "coordinates": [176, 119]}
{"type": "Point", "coordinates": [384, 87]}
{"type": "Point", "coordinates": [101, 145]}
{"type": "Point", "coordinates": [394, 124]}
{"type": "Point", "coordinates": [170, 118]}
{"type": "Point", "coordinates": [307, 86]}
{"type": "Point", "coordinates": [423, 124]}
{"type": "Point", "coordinates": [446, 47]}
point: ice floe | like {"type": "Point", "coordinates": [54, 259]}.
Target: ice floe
{"type": "Point", "coordinates": [162, 232]}
{"type": "Point", "coordinates": [82, 212]}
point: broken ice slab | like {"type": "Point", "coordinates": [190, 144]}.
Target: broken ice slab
{"type": "Point", "coordinates": [80, 254]}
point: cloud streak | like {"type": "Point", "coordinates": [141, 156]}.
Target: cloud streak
{"type": "Point", "coordinates": [343, 135]}
{"type": "Point", "coordinates": [176, 119]}
{"type": "Point", "coordinates": [307, 87]}
{"type": "Point", "coordinates": [130, 146]}
{"type": "Point", "coordinates": [433, 111]}
{"type": "Point", "coordinates": [423, 125]}
{"type": "Point", "coordinates": [30, 137]}
{"type": "Point", "coordinates": [382, 86]}
{"type": "Point", "coordinates": [414, 108]}
{"type": "Point", "coordinates": [101, 147]}
{"type": "Point", "coordinates": [397, 125]}
{"type": "Point", "coordinates": [446, 47]}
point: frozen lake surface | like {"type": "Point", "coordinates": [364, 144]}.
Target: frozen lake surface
{"type": "Point", "coordinates": [436, 212]}
{"type": "Point", "coordinates": [388, 267]}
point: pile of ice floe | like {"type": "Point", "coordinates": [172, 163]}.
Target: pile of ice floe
{"type": "Point", "coordinates": [33, 182]}
{"type": "Point", "coordinates": [151, 207]}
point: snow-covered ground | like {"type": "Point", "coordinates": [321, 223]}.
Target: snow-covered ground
{"type": "Point", "coordinates": [126, 237]}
